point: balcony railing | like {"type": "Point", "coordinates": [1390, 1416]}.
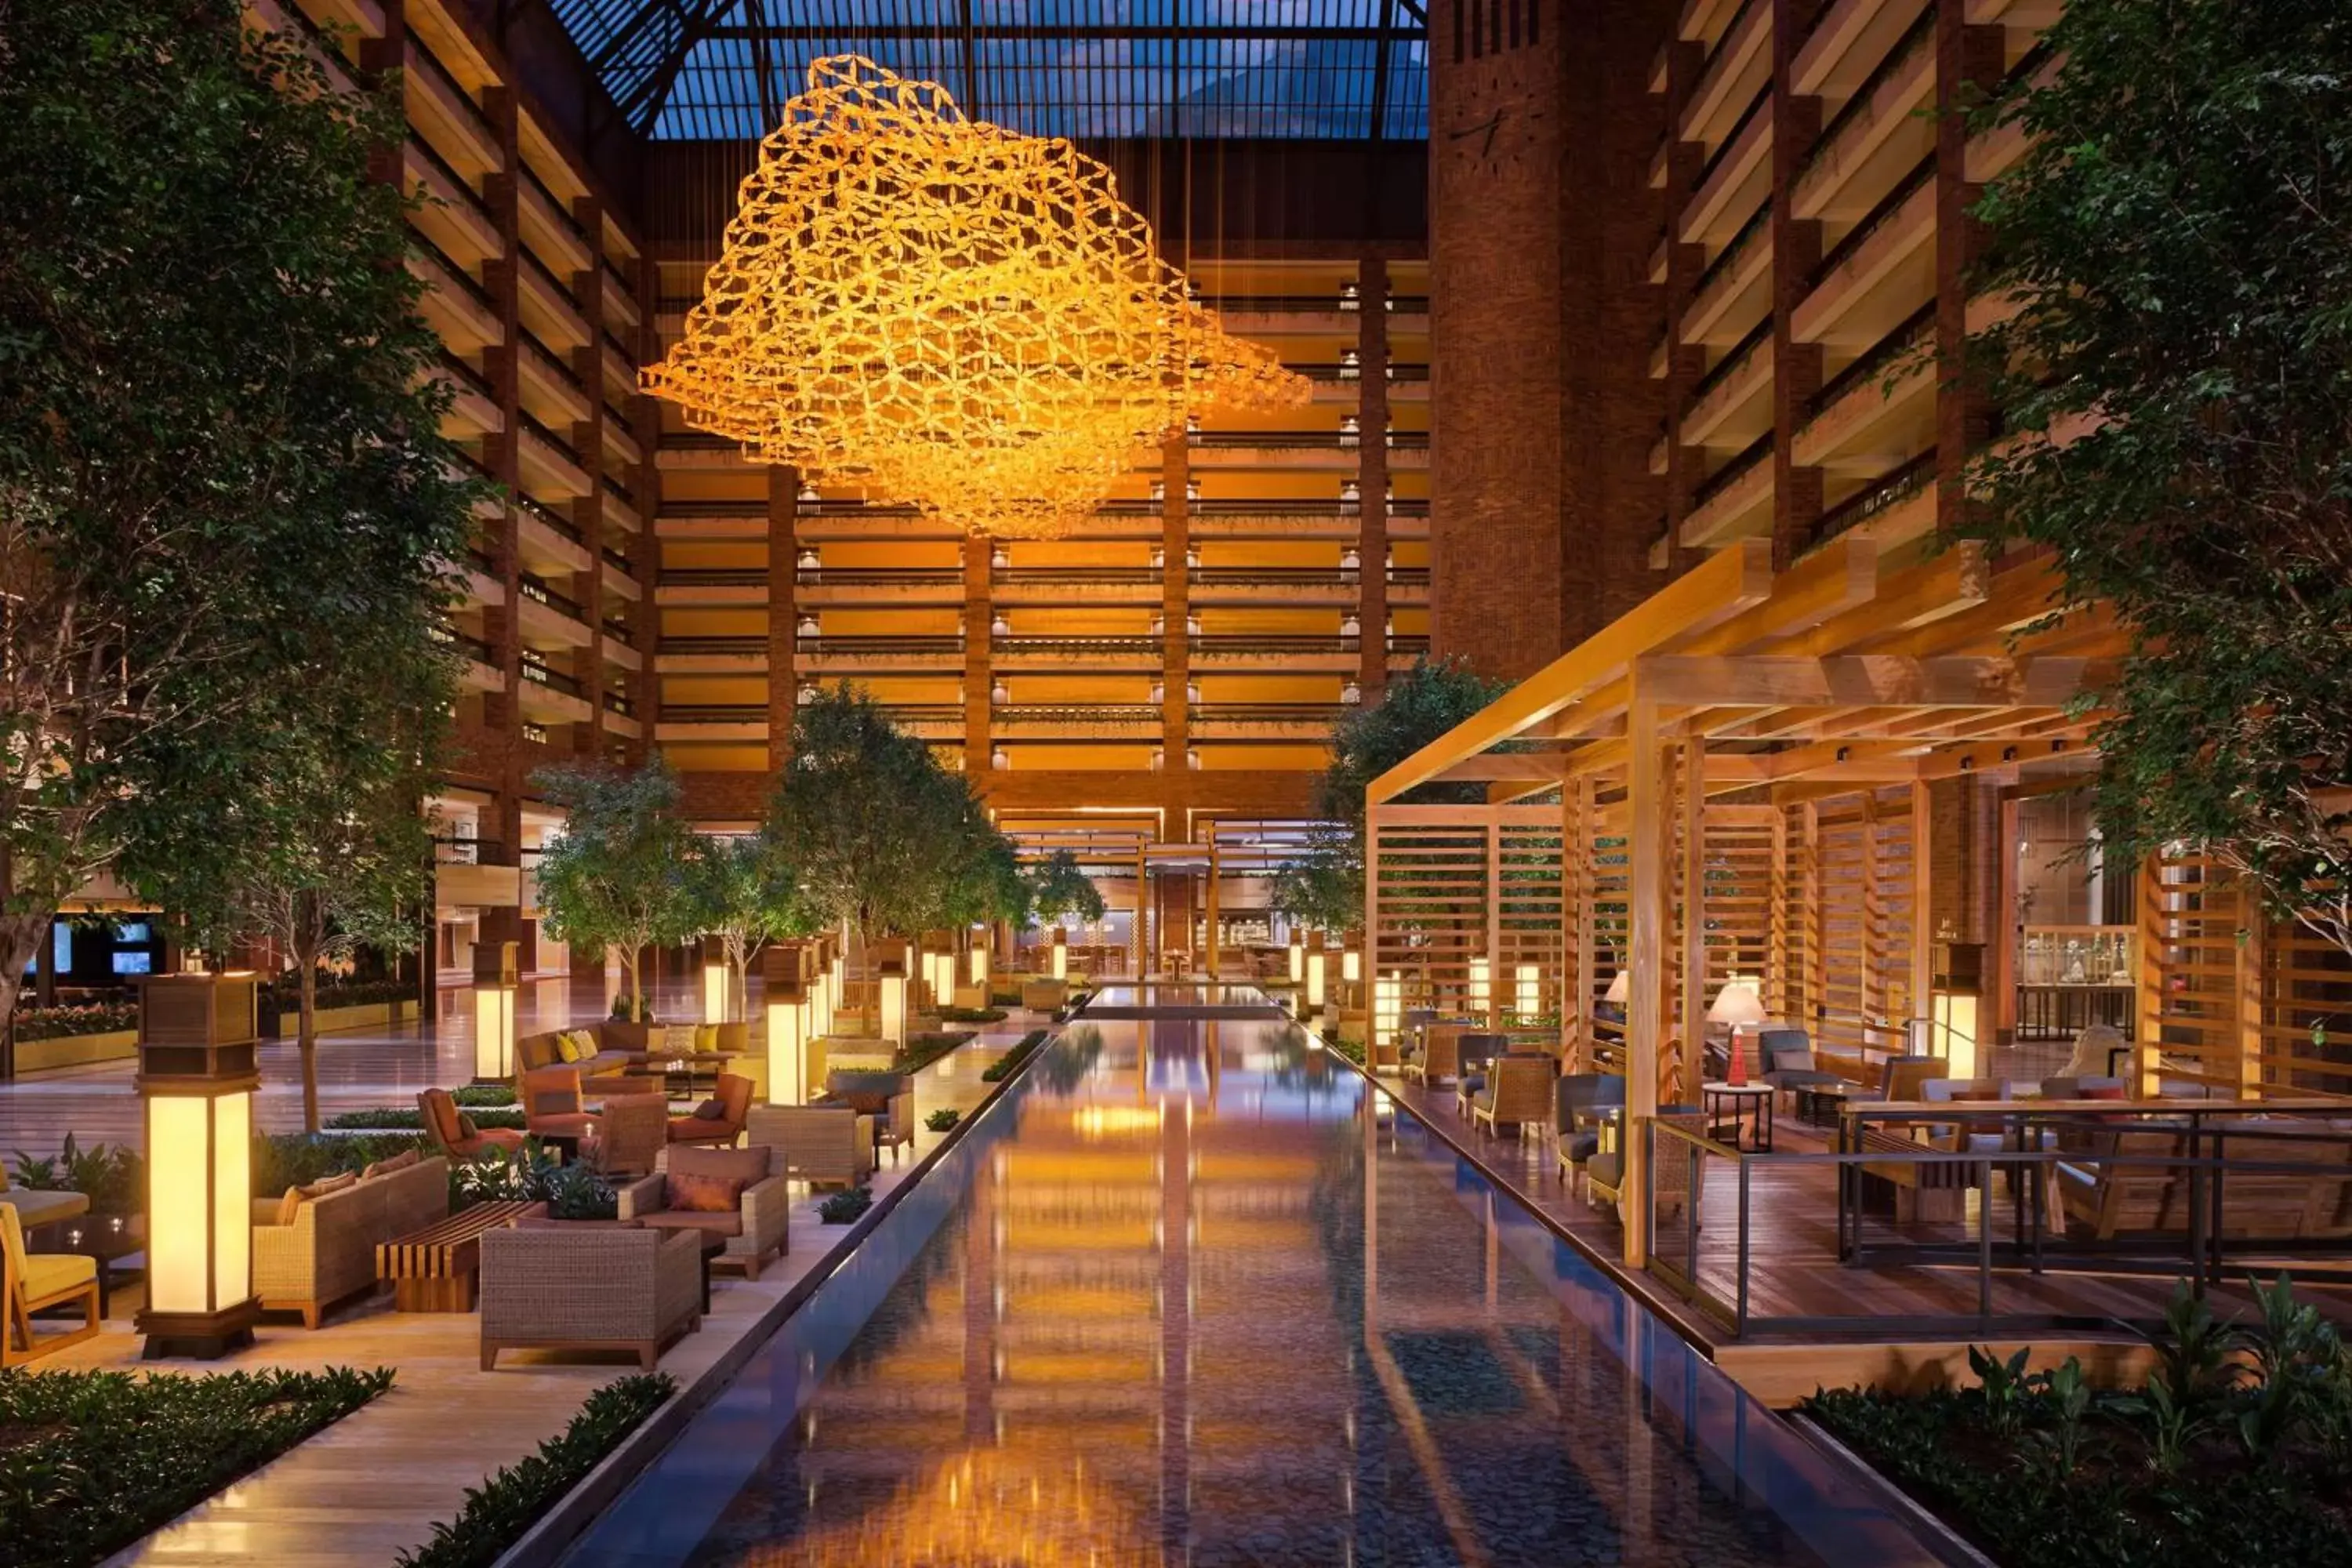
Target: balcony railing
{"type": "Point", "coordinates": [618, 631]}
{"type": "Point", "coordinates": [1408, 575]}
{"type": "Point", "coordinates": [560, 443]}
{"type": "Point", "coordinates": [1077, 648]}
{"type": "Point", "coordinates": [554, 362]}
{"type": "Point", "coordinates": [1268, 713]}
{"type": "Point", "coordinates": [758, 507]}
{"type": "Point", "coordinates": [614, 558]}
{"type": "Point", "coordinates": [455, 852]}
{"type": "Point", "coordinates": [1734, 249]}
{"type": "Point", "coordinates": [923, 712]}
{"type": "Point", "coordinates": [562, 290]}
{"type": "Point", "coordinates": [1876, 497]}
{"type": "Point", "coordinates": [1275, 576]}
{"type": "Point", "coordinates": [617, 703]}
{"type": "Point", "coordinates": [1728, 365]}
{"type": "Point", "coordinates": [463, 278]}
{"type": "Point", "coordinates": [1875, 219]}
{"type": "Point", "coordinates": [879, 577]}
{"type": "Point", "coordinates": [1879, 358]}
{"type": "Point", "coordinates": [1414, 644]}
{"type": "Point", "coordinates": [549, 516]}
{"type": "Point", "coordinates": [1731, 137]}
{"type": "Point", "coordinates": [846, 647]}
{"type": "Point", "coordinates": [1125, 576]}
{"type": "Point", "coordinates": [467, 374]}
{"type": "Point", "coordinates": [1407, 440]}
{"type": "Point", "coordinates": [534, 589]}
{"type": "Point", "coordinates": [482, 561]}
{"type": "Point", "coordinates": [466, 643]}
{"type": "Point", "coordinates": [1268, 643]}
{"type": "Point", "coordinates": [1272, 304]}
{"type": "Point", "coordinates": [449, 84]}
{"type": "Point", "coordinates": [1408, 304]}
{"type": "Point", "coordinates": [1331, 369]}
{"type": "Point", "coordinates": [554, 679]}
{"type": "Point", "coordinates": [714, 577]}
{"type": "Point", "coordinates": [448, 172]}
{"type": "Point", "coordinates": [717, 648]}
{"type": "Point", "coordinates": [563, 210]}
{"type": "Point", "coordinates": [1741, 464]}
{"type": "Point", "coordinates": [1130, 713]}
{"type": "Point", "coordinates": [1856, 107]}
{"type": "Point", "coordinates": [699, 441]}
{"type": "Point", "coordinates": [714, 713]}
{"type": "Point", "coordinates": [1331, 439]}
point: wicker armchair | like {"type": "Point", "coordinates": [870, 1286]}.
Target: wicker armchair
{"type": "Point", "coordinates": [1517, 1093]}
{"type": "Point", "coordinates": [1473, 1050]}
{"type": "Point", "coordinates": [555, 1287]}
{"type": "Point", "coordinates": [552, 1106]}
{"type": "Point", "coordinates": [823, 1145]}
{"type": "Point", "coordinates": [455, 1131]}
{"type": "Point", "coordinates": [1438, 1058]}
{"type": "Point", "coordinates": [325, 1251]}
{"type": "Point", "coordinates": [633, 1130]}
{"type": "Point", "coordinates": [35, 1281]}
{"type": "Point", "coordinates": [756, 1230]}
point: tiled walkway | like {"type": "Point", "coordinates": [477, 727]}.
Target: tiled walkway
{"type": "Point", "coordinates": [376, 1482]}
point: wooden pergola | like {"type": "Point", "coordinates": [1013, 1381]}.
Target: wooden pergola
{"type": "Point", "coordinates": [1743, 768]}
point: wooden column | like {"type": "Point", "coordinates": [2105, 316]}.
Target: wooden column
{"type": "Point", "coordinates": [2246, 994]}
{"type": "Point", "coordinates": [1214, 952]}
{"type": "Point", "coordinates": [1691, 778]}
{"type": "Point", "coordinates": [1650, 806]}
{"type": "Point", "coordinates": [2148, 1033]}
{"type": "Point", "coordinates": [1923, 929]}
{"type": "Point", "coordinates": [2004, 932]}
{"type": "Point", "coordinates": [1494, 939]}
{"type": "Point", "coordinates": [1576, 901]}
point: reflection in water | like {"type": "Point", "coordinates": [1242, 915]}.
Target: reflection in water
{"type": "Point", "coordinates": [1185, 1301]}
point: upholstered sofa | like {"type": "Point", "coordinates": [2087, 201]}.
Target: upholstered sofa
{"type": "Point", "coordinates": [755, 1228]}
{"type": "Point", "coordinates": [36, 1207]}
{"type": "Point", "coordinates": [613, 1046]}
{"type": "Point", "coordinates": [312, 1251]}
{"type": "Point", "coordinates": [561, 1287]}
{"type": "Point", "coordinates": [823, 1145]}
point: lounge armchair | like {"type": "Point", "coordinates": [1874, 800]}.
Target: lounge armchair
{"type": "Point", "coordinates": [823, 1145]}
{"type": "Point", "coordinates": [894, 1129]}
{"type": "Point", "coordinates": [1581, 1104]}
{"type": "Point", "coordinates": [1475, 1049]}
{"type": "Point", "coordinates": [35, 1281]}
{"type": "Point", "coordinates": [575, 1288]}
{"type": "Point", "coordinates": [1517, 1093]}
{"type": "Point", "coordinates": [315, 1246]}
{"type": "Point", "coordinates": [755, 1228]}
{"type": "Point", "coordinates": [632, 1130]}
{"type": "Point", "coordinates": [1437, 1060]}
{"type": "Point", "coordinates": [719, 1121]}
{"type": "Point", "coordinates": [552, 1107]}
{"type": "Point", "coordinates": [1787, 1059]}
{"type": "Point", "coordinates": [37, 1207]}
{"type": "Point", "coordinates": [454, 1131]}
{"type": "Point", "coordinates": [1672, 1184]}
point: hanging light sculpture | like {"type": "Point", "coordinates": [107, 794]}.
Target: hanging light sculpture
{"type": "Point", "coordinates": [948, 314]}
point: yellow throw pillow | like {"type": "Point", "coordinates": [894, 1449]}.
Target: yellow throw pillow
{"type": "Point", "coordinates": [568, 1046]}
{"type": "Point", "coordinates": [289, 1206]}
{"type": "Point", "coordinates": [706, 1038]}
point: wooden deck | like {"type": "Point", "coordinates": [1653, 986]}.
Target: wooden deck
{"type": "Point", "coordinates": [375, 1483]}
{"type": "Point", "coordinates": [1794, 1271]}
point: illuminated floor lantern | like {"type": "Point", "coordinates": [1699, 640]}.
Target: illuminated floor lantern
{"type": "Point", "coordinates": [1482, 987]}
{"type": "Point", "coordinates": [980, 965]}
{"type": "Point", "coordinates": [1058, 964]}
{"type": "Point", "coordinates": [1387, 1012]}
{"type": "Point", "coordinates": [890, 988]}
{"type": "Point", "coordinates": [495, 985]}
{"type": "Point", "coordinates": [715, 978]}
{"type": "Point", "coordinates": [837, 978]}
{"type": "Point", "coordinates": [1315, 959]}
{"type": "Point", "coordinates": [935, 965]}
{"type": "Point", "coordinates": [1527, 986]}
{"type": "Point", "coordinates": [198, 1034]}
{"type": "Point", "coordinates": [1298, 957]}
{"type": "Point", "coordinates": [791, 1013]}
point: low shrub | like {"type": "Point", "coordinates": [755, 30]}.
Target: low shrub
{"type": "Point", "coordinates": [90, 1461]}
{"type": "Point", "coordinates": [471, 1095]}
{"type": "Point", "coordinates": [944, 1118]}
{"type": "Point", "coordinates": [500, 1511]}
{"type": "Point", "coordinates": [921, 1050]}
{"type": "Point", "coordinates": [1002, 1068]}
{"type": "Point", "coordinates": [284, 996]}
{"type": "Point", "coordinates": [284, 1159]}
{"type": "Point", "coordinates": [57, 1023]}
{"type": "Point", "coordinates": [527, 1175]}
{"type": "Point", "coordinates": [842, 1207]}
{"type": "Point", "coordinates": [2235, 1449]}
{"type": "Point", "coordinates": [407, 1118]}
{"type": "Point", "coordinates": [579, 1191]}
{"type": "Point", "coordinates": [113, 1179]}
{"type": "Point", "coordinates": [972, 1015]}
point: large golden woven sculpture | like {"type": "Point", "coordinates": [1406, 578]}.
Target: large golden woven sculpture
{"type": "Point", "coordinates": [945, 313]}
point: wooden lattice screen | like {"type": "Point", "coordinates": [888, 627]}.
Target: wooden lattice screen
{"type": "Point", "coordinates": [1463, 898]}
{"type": "Point", "coordinates": [1847, 914]}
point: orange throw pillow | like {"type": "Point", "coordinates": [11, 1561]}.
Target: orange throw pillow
{"type": "Point", "coordinates": [290, 1206]}
{"type": "Point", "coordinates": [704, 1195]}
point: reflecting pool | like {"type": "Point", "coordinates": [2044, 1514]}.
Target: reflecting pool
{"type": "Point", "coordinates": [1191, 1294]}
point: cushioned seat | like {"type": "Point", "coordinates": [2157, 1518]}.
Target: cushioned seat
{"type": "Point", "coordinates": [37, 1208]}
{"type": "Point", "coordinates": [575, 1124]}
{"type": "Point", "coordinates": [1787, 1058]}
{"type": "Point", "coordinates": [48, 1273]}
{"type": "Point", "coordinates": [729, 1223]}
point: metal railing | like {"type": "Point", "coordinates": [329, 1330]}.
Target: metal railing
{"type": "Point", "coordinates": [554, 362]}
{"type": "Point", "coordinates": [548, 436]}
{"type": "Point", "coordinates": [1413, 645]}
{"type": "Point", "coordinates": [618, 631]}
{"type": "Point", "coordinates": [1275, 576]}
{"type": "Point", "coordinates": [448, 172]}
{"type": "Point", "coordinates": [1733, 249]}
{"type": "Point", "coordinates": [1116, 576]}
{"type": "Point", "coordinates": [845, 647]}
{"type": "Point", "coordinates": [1877, 218]}
{"type": "Point", "coordinates": [554, 679]}
{"type": "Point", "coordinates": [713, 713]}
{"type": "Point", "coordinates": [730, 648]}
{"type": "Point", "coordinates": [441, 73]}
{"type": "Point", "coordinates": [879, 577]}
{"type": "Point", "coordinates": [1317, 713]}
{"type": "Point", "coordinates": [1919, 32]}
{"type": "Point", "coordinates": [537, 590]}
{"type": "Point", "coordinates": [467, 374]}
{"type": "Point", "coordinates": [466, 643]}
{"type": "Point", "coordinates": [456, 273]}
{"type": "Point", "coordinates": [714, 577]}
{"type": "Point", "coordinates": [549, 516]}
{"type": "Point", "coordinates": [2170, 1188]}
{"type": "Point", "coordinates": [617, 703]}
{"type": "Point", "coordinates": [1742, 464]}
{"type": "Point", "coordinates": [548, 276]}
{"type": "Point", "coordinates": [1875, 497]}
{"type": "Point", "coordinates": [1738, 355]}
{"type": "Point", "coordinates": [562, 211]}
{"type": "Point", "coordinates": [1077, 648]}
{"type": "Point", "coordinates": [1082, 713]}
{"type": "Point", "coordinates": [1913, 330]}
{"type": "Point", "coordinates": [617, 561]}
{"type": "Point", "coordinates": [620, 489]}
{"type": "Point", "coordinates": [1244, 642]}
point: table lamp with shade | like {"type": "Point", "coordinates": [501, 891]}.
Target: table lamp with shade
{"type": "Point", "coordinates": [1621, 988]}
{"type": "Point", "coordinates": [1740, 1006]}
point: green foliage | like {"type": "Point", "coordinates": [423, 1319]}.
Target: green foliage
{"type": "Point", "coordinates": [741, 889]}
{"type": "Point", "coordinates": [114, 1179]}
{"type": "Point", "coordinates": [500, 1511]}
{"type": "Point", "coordinates": [2174, 237]}
{"type": "Point", "coordinates": [90, 1461]}
{"type": "Point", "coordinates": [407, 1118]}
{"type": "Point", "coordinates": [298, 1159]}
{"type": "Point", "coordinates": [1004, 1065]}
{"type": "Point", "coordinates": [972, 1015]}
{"type": "Point", "coordinates": [615, 876]}
{"type": "Point", "coordinates": [1059, 888]}
{"type": "Point", "coordinates": [943, 1119]}
{"type": "Point", "coordinates": [527, 1175]}
{"type": "Point", "coordinates": [227, 506]}
{"type": "Point", "coordinates": [581, 1192]}
{"type": "Point", "coordinates": [1324, 884]}
{"type": "Point", "coordinates": [921, 1050]}
{"type": "Point", "coordinates": [284, 993]}
{"type": "Point", "coordinates": [843, 1207]}
{"type": "Point", "coordinates": [472, 1095]}
{"type": "Point", "coordinates": [57, 1023]}
{"type": "Point", "coordinates": [2042, 1471]}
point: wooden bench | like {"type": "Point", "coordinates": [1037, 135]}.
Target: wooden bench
{"type": "Point", "coordinates": [436, 1269]}
{"type": "Point", "coordinates": [1923, 1190]}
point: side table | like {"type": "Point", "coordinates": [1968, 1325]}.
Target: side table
{"type": "Point", "coordinates": [1748, 1108]}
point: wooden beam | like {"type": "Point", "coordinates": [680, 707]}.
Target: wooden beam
{"type": "Point", "coordinates": [1489, 766]}
{"type": "Point", "coordinates": [1691, 774]}
{"type": "Point", "coordinates": [1919, 595]}
{"type": "Point", "coordinates": [1651, 809]}
{"type": "Point", "coordinates": [1867, 681]}
{"type": "Point", "coordinates": [1922, 926]}
{"type": "Point", "coordinates": [2148, 1029]}
{"type": "Point", "coordinates": [1716, 589]}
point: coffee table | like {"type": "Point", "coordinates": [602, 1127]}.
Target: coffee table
{"type": "Point", "coordinates": [436, 1269]}
{"type": "Point", "coordinates": [691, 1074]}
{"type": "Point", "coordinates": [107, 1238]}
{"type": "Point", "coordinates": [1819, 1104]}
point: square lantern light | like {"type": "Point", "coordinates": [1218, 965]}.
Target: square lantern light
{"type": "Point", "coordinates": [1388, 1011]}
{"type": "Point", "coordinates": [1527, 983]}
{"type": "Point", "coordinates": [495, 982]}
{"type": "Point", "coordinates": [1298, 955]}
{"type": "Point", "coordinates": [890, 992]}
{"type": "Point", "coordinates": [792, 1015]}
{"type": "Point", "coordinates": [979, 959]}
{"type": "Point", "coordinates": [197, 1075]}
{"type": "Point", "coordinates": [1482, 985]}
{"type": "Point", "coordinates": [1059, 963]}
{"type": "Point", "coordinates": [1316, 960]}
{"type": "Point", "coordinates": [714, 980]}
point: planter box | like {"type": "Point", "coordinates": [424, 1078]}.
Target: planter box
{"type": "Point", "coordinates": [285, 1025]}
{"type": "Point", "coordinates": [77, 1050]}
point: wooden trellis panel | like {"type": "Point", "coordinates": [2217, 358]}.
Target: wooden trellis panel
{"type": "Point", "coordinates": [2190, 914]}
{"type": "Point", "coordinates": [1528, 925]}
{"type": "Point", "coordinates": [1849, 914]}
{"type": "Point", "coordinates": [2306, 992]}
{"type": "Point", "coordinates": [1451, 885]}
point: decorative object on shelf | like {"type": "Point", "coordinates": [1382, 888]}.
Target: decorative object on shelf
{"type": "Point", "coordinates": [944, 313]}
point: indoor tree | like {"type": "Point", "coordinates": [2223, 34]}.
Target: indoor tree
{"type": "Point", "coordinates": [1324, 886]}
{"type": "Point", "coordinates": [1059, 888]}
{"type": "Point", "coordinates": [221, 465]}
{"type": "Point", "coordinates": [739, 889]}
{"type": "Point", "coordinates": [616, 876]}
{"type": "Point", "coordinates": [2177, 245]}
